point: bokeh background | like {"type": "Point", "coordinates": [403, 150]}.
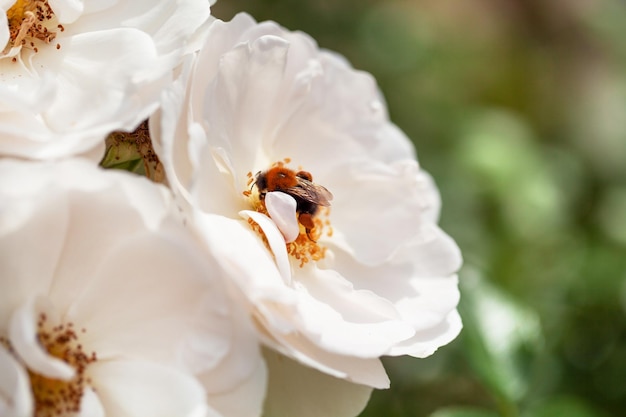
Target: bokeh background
{"type": "Point", "coordinates": [518, 109]}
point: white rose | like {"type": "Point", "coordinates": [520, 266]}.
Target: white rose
{"type": "Point", "coordinates": [108, 305]}
{"type": "Point", "coordinates": [376, 276]}
{"type": "Point", "coordinates": [73, 71]}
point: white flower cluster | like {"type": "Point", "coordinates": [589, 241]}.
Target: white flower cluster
{"type": "Point", "coordinates": [290, 243]}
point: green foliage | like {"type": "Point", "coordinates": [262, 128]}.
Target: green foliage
{"type": "Point", "coordinates": [518, 110]}
{"type": "Point", "coordinates": [124, 156]}
{"type": "Point", "coordinates": [463, 412]}
{"type": "Point", "coordinates": [502, 338]}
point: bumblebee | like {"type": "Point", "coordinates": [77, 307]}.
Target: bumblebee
{"type": "Point", "coordinates": [299, 185]}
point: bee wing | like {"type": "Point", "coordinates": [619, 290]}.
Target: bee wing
{"type": "Point", "coordinates": [312, 192]}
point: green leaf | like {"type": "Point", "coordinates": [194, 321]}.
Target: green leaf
{"type": "Point", "coordinates": [565, 407]}
{"type": "Point", "coordinates": [501, 152]}
{"type": "Point", "coordinates": [124, 156]}
{"type": "Point", "coordinates": [463, 412]}
{"type": "Point", "coordinates": [500, 336]}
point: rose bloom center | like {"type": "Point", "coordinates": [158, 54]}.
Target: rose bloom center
{"type": "Point", "coordinates": [31, 24]}
{"type": "Point", "coordinates": [55, 397]}
{"type": "Point", "coordinates": [305, 248]}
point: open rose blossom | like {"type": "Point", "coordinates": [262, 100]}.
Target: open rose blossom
{"type": "Point", "coordinates": [109, 306]}
{"type": "Point", "coordinates": [289, 167]}
{"type": "Point", "coordinates": [73, 71]}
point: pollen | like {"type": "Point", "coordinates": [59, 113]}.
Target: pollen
{"type": "Point", "coordinates": [32, 23]}
{"type": "Point", "coordinates": [249, 183]}
{"type": "Point", "coordinates": [306, 247]}
{"type": "Point", "coordinates": [54, 397]}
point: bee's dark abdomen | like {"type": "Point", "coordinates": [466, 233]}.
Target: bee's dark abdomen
{"type": "Point", "coordinates": [304, 206]}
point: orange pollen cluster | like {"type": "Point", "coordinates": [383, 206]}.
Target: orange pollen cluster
{"type": "Point", "coordinates": [31, 22]}
{"type": "Point", "coordinates": [305, 248]}
{"type": "Point", "coordinates": [55, 397]}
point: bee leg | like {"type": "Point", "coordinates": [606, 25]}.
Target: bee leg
{"type": "Point", "coordinates": [306, 220]}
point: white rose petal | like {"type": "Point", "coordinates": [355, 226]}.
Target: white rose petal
{"type": "Point", "coordinates": [135, 388]}
{"type": "Point", "coordinates": [15, 392]}
{"type": "Point", "coordinates": [23, 338]}
{"type": "Point", "coordinates": [295, 390]}
{"type": "Point", "coordinates": [282, 209]}
{"type": "Point", "coordinates": [368, 371]}
{"type": "Point", "coordinates": [90, 405]}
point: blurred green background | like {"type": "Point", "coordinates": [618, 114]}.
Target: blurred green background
{"type": "Point", "coordinates": [518, 109]}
